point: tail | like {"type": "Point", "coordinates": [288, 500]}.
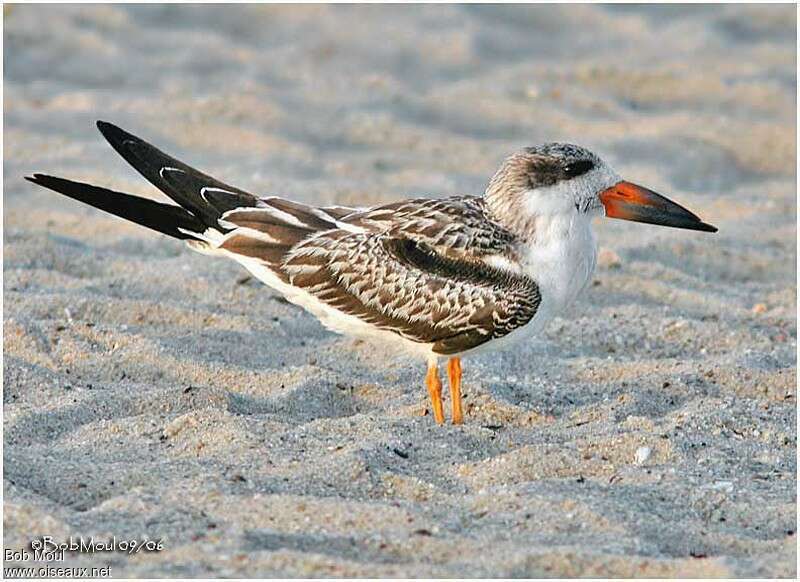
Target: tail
{"type": "Point", "coordinates": [213, 217]}
{"type": "Point", "coordinates": [202, 199]}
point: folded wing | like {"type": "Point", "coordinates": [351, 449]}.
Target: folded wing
{"type": "Point", "coordinates": [420, 268]}
{"type": "Point", "coordinates": [416, 268]}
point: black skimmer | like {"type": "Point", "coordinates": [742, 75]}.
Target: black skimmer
{"type": "Point", "coordinates": [440, 277]}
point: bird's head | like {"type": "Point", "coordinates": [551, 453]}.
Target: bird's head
{"type": "Point", "coordinates": [564, 179]}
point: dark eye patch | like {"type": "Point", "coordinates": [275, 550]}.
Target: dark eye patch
{"type": "Point", "coordinates": [575, 169]}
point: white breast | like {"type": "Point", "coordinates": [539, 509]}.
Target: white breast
{"type": "Point", "coordinates": [561, 259]}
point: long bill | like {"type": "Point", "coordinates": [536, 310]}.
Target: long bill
{"type": "Point", "coordinates": [628, 201]}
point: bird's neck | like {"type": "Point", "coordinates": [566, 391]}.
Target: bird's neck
{"type": "Point", "coordinates": [536, 220]}
{"type": "Point", "coordinates": [558, 250]}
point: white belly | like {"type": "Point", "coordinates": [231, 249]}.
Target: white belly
{"type": "Point", "coordinates": [561, 261]}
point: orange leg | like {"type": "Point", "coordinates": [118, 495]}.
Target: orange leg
{"type": "Point", "coordinates": [454, 374]}
{"type": "Point", "coordinates": [435, 390]}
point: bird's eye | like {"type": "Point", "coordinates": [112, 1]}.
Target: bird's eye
{"type": "Point", "coordinates": [575, 169]}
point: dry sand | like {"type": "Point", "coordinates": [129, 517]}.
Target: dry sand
{"type": "Point", "coordinates": [148, 393]}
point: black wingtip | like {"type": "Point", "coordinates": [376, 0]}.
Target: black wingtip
{"type": "Point", "coordinates": [110, 131]}
{"type": "Point", "coordinates": [51, 182]}
{"type": "Point", "coordinates": [37, 178]}
{"type": "Point", "coordinates": [165, 218]}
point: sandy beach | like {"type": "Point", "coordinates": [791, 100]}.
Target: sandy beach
{"type": "Point", "coordinates": [154, 393]}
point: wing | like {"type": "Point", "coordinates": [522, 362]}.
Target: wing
{"type": "Point", "coordinates": [202, 195]}
{"type": "Point", "coordinates": [417, 268]}
{"type": "Point", "coordinates": [455, 226]}
{"type": "Point", "coordinates": [427, 283]}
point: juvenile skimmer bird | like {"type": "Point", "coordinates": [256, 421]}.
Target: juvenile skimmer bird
{"type": "Point", "coordinates": [441, 277]}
